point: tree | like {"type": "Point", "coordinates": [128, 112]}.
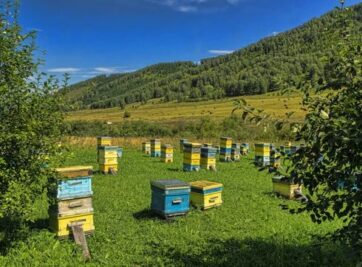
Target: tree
{"type": "Point", "coordinates": [330, 164]}
{"type": "Point", "coordinates": [31, 125]}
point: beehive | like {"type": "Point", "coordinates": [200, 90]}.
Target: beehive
{"type": "Point", "coordinates": [275, 159]}
{"type": "Point", "coordinates": [108, 158]}
{"type": "Point", "coordinates": [104, 141]}
{"type": "Point", "coordinates": [208, 158]}
{"type": "Point", "coordinates": [155, 148]}
{"type": "Point", "coordinates": [146, 148]}
{"type": "Point", "coordinates": [225, 149]}
{"type": "Point", "coordinates": [284, 187]}
{"type": "Point", "coordinates": [206, 194]}
{"type": "Point", "coordinates": [245, 148]}
{"type": "Point", "coordinates": [286, 149]}
{"type": "Point", "coordinates": [182, 142]}
{"type": "Point", "coordinates": [235, 152]}
{"type": "Point", "coordinates": [166, 153]}
{"type": "Point", "coordinates": [293, 149]}
{"type": "Point", "coordinates": [262, 154]}
{"type": "Point", "coordinates": [170, 197]}
{"type": "Point", "coordinates": [192, 156]}
{"type": "Point", "coordinates": [74, 201]}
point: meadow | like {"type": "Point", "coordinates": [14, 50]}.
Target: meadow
{"type": "Point", "coordinates": [274, 104]}
{"type": "Point", "coordinates": [249, 229]}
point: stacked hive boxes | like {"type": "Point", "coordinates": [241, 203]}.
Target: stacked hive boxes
{"type": "Point", "coordinates": [235, 152]}
{"type": "Point", "coordinates": [155, 148]}
{"type": "Point", "coordinates": [182, 142]}
{"type": "Point", "coordinates": [74, 201]}
{"type": "Point", "coordinates": [170, 197]}
{"type": "Point", "coordinates": [208, 158]}
{"type": "Point", "coordinates": [192, 157]}
{"type": "Point", "coordinates": [225, 149]}
{"type": "Point", "coordinates": [262, 154]}
{"type": "Point", "coordinates": [107, 154]}
{"type": "Point", "coordinates": [146, 148]}
{"type": "Point", "coordinates": [206, 194]}
{"type": "Point", "coordinates": [108, 158]}
{"type": "Point", "coordinates": [167, 153]}
{"type": "Point", "coordinates": [286, 149]}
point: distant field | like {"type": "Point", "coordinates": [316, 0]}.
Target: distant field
{"type": "Point", "coordinates": [155, 111]}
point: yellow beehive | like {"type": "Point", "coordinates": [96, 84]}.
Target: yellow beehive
{"type": "Point", "coordinates": [285, 188]}
{"type": "Point", "coordinates": [192, 156]}
{"type": "Point", "coordinates": [206, 194]}
{"type": "Point", "coordinates": [104, 141]}
{"type": "Point", "coordinates": [226, 142]}
{"type": "Point", "coordinates": [62, 225]}
{"type": "Point", "coordinates": [146, 147]}
{"type": "Point", "coordinates": [192, 161]}
{"type": "Point", "coordinates": [105, 168]}
{"type": "Point", "coordinates": [208, 161]}
{"type": "Point", "coordinates": [108, 161]}
{"type": "Point", "coordinates": [262, 150]}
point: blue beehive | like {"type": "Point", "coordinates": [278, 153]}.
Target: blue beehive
{"type": "Point", "coordinates": [75, 188]}
{"type": "Point", "coordinates": [170, 197]}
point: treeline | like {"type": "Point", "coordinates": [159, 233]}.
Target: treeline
{"type": "Point", "coordinates": [233, 126]}
{"type": "Point", "coordinates": [274, 63]}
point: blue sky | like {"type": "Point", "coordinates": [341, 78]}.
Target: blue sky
{"type": "Point", "coordinates": [92, 37]}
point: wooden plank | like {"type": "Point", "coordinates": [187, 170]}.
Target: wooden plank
{"type": "Point", "coordinates": [79, 238]}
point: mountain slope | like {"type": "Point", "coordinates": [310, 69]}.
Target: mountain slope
{"type": "Point", "coordinates": [274, 63]}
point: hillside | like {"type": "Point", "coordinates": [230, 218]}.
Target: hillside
{"type": "Point", "coordinates": [274, 63]}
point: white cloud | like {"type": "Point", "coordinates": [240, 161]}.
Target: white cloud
{"type": "Point", "coordinates": [63, 70]}
{"type": "Point", "coordinates": [187, 9]}
{"type": "Point", "coordinates": [220, 52]}
{"type": "Point", "coordinates": [107, 70]}
{"type": "Point", "coordinates": [275, 33]}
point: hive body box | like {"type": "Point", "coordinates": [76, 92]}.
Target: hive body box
{"type": "Point", "coordinates": [104, 141]}
{"type": "Point", "coordinates": [235, 152]}
{"type": "Point", "coordinates": [108, 158]}
{"type": "Point", "coordinates": [275, 160]}
{"type": "Point", "coordinates": [225, 149]}
{"type": "Point", "coordinates": [155, 148]}
{"type": "Point", "coordinates": [170, 197]}
{"type": "Point", "coordinates": [206, 194]}
{"type": "Point", "coordinates": [192, 156]}
{"type": "Point", "coordinates": [208, 158]}
{"type": "Point", "coordinates": [74, 203]}
{"type": "Point", "coordinates": [262, 154]}
{"type": "Point", "coordinates": [244, 149]}
{"type": "Point", "coordinates": [146, 148]}
{"type": "Point", "coordinates": [285, 188]}
{"type": "Point", "coordinates": [167, 153]}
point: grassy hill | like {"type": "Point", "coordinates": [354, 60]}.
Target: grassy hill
{"type": "Point", "coordinates": [274, 63]}
{"type": "Point", "coordinates": [157, 111]}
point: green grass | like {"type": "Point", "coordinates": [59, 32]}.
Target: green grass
{"type": "Point", "coordinates": [249, 229]}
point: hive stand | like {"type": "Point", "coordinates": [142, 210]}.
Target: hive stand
{"type": "Point", "coordinates": [80, 239]}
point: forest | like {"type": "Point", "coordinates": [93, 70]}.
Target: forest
{"type": "Point", "coordinates": [280, 62]}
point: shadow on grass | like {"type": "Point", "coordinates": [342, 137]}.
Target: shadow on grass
{"type": "Point", "coordinates": [148, 214]}
{"type": "Point", "coordinates": [250, 252]}
{"type": "Point", "coordinates": [13, 231]}
{"type": "Point", "coordinates": [175, 169]}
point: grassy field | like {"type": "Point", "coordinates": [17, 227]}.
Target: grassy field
{"type": "Point", "coordinates": [249, 229]}
{"type": "Point", "coordinates": [273, 104]}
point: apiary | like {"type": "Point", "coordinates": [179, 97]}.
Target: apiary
{"type": "Point", "coordinates": [167, 153]}
{"type": "Point", "coordinates": [225, 149]}
{"type": "Point", "coordinates": [206, 194]}
{"type": "Point", "coordinates": [285, 188]}
{"type": "Point", "coordinates": [74, 201]}
{"type": "Point", "coordinates": [155, 148]}
{"type": "Point", "coordinates": [208, 158]}
{"type": "Point", "coordinates": [182, 142]}
{"type": "Point", "coordinates": [235, 152]}
{"type": "Point", "coordinates": [108, 158]}
{"type": "Point", "coordinates": [146, 148]}
{"type": "Point", "coordinates": [192, 156]}
{"type": "Point", "coordinates": [262, 154]}
{"type": "Point", "coordinates": [170, 197]}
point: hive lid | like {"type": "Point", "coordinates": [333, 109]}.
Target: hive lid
{"type": "Point", "coordinates": [205, 185]}
{"type": "Point", "coordinates": [75, 171]}
{"type": "Point", "coordinates": [104, 137]}
{"type": "Point", "coordinates": [170, 184]}
{"type": "Point", "coordinates": [262, 145]}
{"type": "Point", "coordinates": [192, 145]}
{"type": "Point", "coordinates": [226, 138]}
{"type": "Point", "coordinates": [108, 147]}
